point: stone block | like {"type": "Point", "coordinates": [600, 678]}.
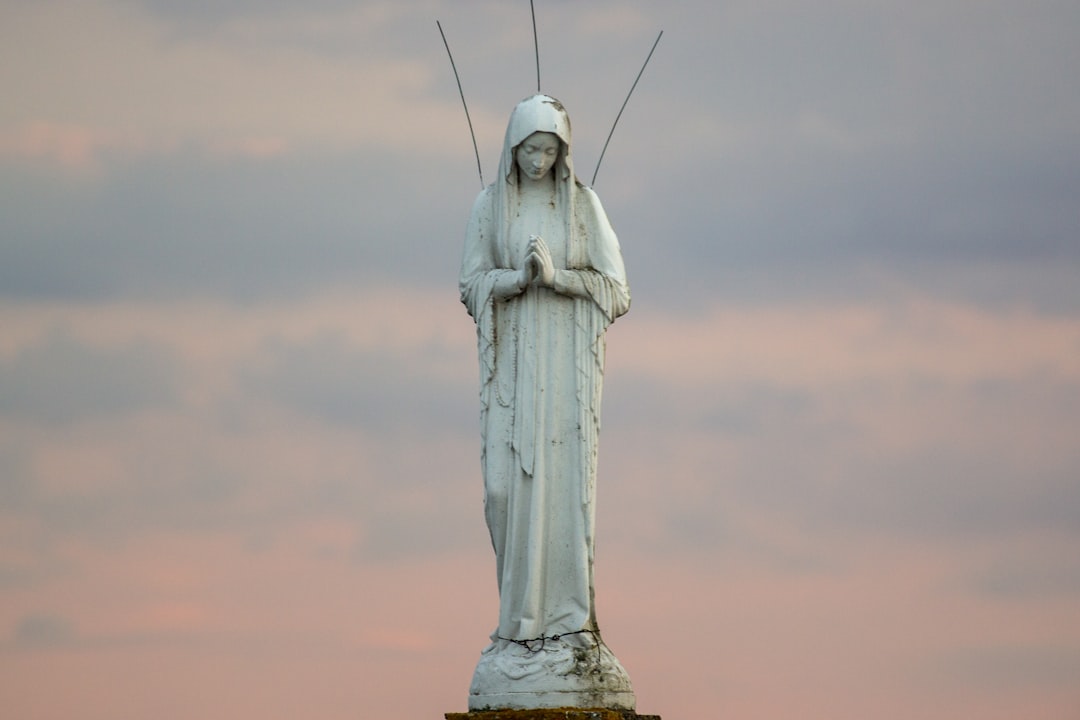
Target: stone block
{"type": "Point", "coordinates": [551, 714]}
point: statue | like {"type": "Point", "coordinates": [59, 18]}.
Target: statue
{"type": "Point", "coordinates": [543, 277]}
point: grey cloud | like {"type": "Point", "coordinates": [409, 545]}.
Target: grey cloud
{"type": "Point", "coordinates": [448, 522]}
{"type": "Point", "coordinates": [1036, 574]}
{"type": "Point", "coordinates": [181, 226]}
{"type": "Point", "coordinates": [207, 12]}
{"type": "Point", "coordinates": [935, 491]}
{"type": "Point", "coordinates": [16, 488]}
{"type": "Point", "coordinates": [419, 425]}
{"type": "Point", "coordinates": [768, 151]}
{"type": "Point", "coordinates": [154, 491]}
{"type": "Point", "coordinates": [63, 380]}
{"type": "Point", "coordinates": [43, 631]}
{"type": "Point", "coordinates": [803, 454]}
{"type": "Point", "coordinates": [378, 390]}
{"type": "Point", "coordinates": [1036, 664]}
{"type": "Point", "coordinates": [731, 411]}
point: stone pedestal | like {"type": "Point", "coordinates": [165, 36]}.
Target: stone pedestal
{"type": "Point", "coordinates": [577, 673]}
{"type": "Point", "coordinates": [551, 714]}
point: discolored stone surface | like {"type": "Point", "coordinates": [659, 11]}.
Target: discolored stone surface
{"type": "Point", "coordinates": [551, 714]}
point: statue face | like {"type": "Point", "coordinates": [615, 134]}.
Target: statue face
{"type": "Point", "coordinates": [537, 154]}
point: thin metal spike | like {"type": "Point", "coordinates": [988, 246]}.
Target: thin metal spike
{"type": "Point", "coordinates": [613, 125]}
{"type": "Point", "coordinates": [461, 92]}
{"type": "Point", "coordinates": [536, 44]}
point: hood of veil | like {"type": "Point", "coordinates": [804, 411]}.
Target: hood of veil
{"type": "Point", "coordinates": [538, 113]}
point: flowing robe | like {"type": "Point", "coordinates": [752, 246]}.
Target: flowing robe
{"type": "Point", "coordinates": [541, 370]}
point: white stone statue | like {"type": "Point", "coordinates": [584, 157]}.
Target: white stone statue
{"type": "Point", "coordinates": [543, 277]}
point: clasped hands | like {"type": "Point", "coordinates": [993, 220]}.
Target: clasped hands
{"type": "Point", "coordinates": [538, 269]}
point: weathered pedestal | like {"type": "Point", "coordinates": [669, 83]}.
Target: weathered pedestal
{"type": "Point", "coordinates": [559, 674]}
{"type": "Point", "coordinates": [551, 714]}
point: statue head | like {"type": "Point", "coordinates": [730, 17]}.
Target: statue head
{"type": "Point", "coordinates": [538, 125]}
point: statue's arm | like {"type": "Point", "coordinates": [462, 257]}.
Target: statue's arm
{"type": "Point", "coordinates": [575, 282]}
{"type": "Point", "coordinates": [509, 283]}
{"type": "Point", "coordinates": [604, 279]}
{"type": "Point", "coordinates": [481, 279]}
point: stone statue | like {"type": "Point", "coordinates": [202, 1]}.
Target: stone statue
{"type": "Point", "coordinates": [543, 277]}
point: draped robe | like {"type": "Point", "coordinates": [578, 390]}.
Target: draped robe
{"type": "Point", "coordinates": [541, 370]}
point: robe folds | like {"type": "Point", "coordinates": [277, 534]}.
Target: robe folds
{"type": "Point", "coordinates": [541, 355]}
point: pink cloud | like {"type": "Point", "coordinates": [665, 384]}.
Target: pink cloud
{"type": "Point", "coordinates": [256, 147]}
{"type": "Point", "coordinates": [214, 560]}
{"type": "Point", "coordinates": [74, 148]}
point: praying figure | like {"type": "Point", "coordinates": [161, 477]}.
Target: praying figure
{"type": "Point", "coordinates": [543, 277]}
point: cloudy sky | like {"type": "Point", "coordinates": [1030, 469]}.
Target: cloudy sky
{"type": "Point", "coordinates": [239, 443]}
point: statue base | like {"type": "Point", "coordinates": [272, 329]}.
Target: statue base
{"type": "Point", "coordinates": [556, 675]}
{"type": "Point", "coordinates": [551, 714]}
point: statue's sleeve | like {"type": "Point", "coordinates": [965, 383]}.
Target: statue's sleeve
{"type": "Point", "coordinates": [602, 279]}
{"type": "Point", "coordinates": [482, 281]}
{"type": "Point", "coordinates": [482, 278]}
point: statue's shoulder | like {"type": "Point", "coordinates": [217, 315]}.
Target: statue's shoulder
{"type": "Point", "coordinates": [587, 205]}
{"type": "Point", "coordinates": [485, 200]}
{"type": "Point", "coordinates": [587, 197]}
{"type": "Point", "coordinates": [482, 218]}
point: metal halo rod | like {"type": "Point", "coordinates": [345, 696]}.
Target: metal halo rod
{"type": "Point", "coordinates": [536, 44]}
{"type": "Point", "coordinates": [463, 103]}
{"type": "Point", "coordinates": [640, 72]}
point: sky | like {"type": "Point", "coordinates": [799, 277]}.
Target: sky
{"type": "Point", "coordinates": [839, 473]}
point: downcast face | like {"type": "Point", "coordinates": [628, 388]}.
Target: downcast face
{"type": "Point", "coordinates": [537, 154]}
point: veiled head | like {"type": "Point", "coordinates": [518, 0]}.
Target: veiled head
{"type": "Point", "coordinates": [544, 115]}
{"type": "Point", "coordinates": [539, 113]}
